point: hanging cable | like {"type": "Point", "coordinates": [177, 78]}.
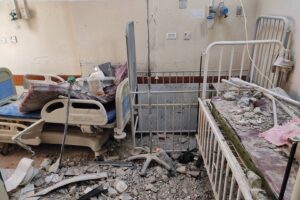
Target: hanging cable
{"type": "Point", "coordinates": [247, 46]}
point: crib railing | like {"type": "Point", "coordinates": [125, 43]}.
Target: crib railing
{"type": "Point", "coordinates": [228, 55]}
{"type": "Point", "coordinates": [225, 174]}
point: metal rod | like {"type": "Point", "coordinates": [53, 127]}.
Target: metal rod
{"type": "Point", "coordinates": [287, 170]}
{"type": "Point", "coordinates": [66, 124]}
{"type": "Point", "coordinates": [284, 98]}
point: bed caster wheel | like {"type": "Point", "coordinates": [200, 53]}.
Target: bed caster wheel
{"type": "Point", "coordinates": [5, 150]}
{"type": "Point", "coordinates": [120, 136]}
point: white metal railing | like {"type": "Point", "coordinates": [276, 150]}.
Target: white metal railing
{"type": "Point", "coordinates": [229, 55]}
{"type": "Point", "coordinates": [226, 176]}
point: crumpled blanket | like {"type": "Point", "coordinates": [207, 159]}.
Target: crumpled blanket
{"type": "Point", "coordinates": [279, 135]}
{"type": "Point", "coordinates": [39, 93]}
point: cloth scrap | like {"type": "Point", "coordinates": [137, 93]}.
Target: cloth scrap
{"type": "Point", "coordinates": [279, 135]}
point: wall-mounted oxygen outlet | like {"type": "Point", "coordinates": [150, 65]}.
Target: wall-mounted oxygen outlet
{"type": "Point", "coordinates": [171, 36]}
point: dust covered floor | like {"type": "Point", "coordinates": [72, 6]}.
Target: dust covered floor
{"type": "Point", "coordinates": [189, 181]}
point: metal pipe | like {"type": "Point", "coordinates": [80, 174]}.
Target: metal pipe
{"type": "Point", "coordinates": [287, 170]}
{"type": "Point", "coordinates": [284, 98]}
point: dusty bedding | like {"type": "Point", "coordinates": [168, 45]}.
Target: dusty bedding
{"type": "Point", "coordinates": [39, 94]}
{"type": "Point", "coordinates": [247, 117]}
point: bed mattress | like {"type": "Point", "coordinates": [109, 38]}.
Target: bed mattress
{"type": "Point", "coordinates": [243, 118]}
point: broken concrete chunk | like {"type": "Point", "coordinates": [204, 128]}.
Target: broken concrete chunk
{"type": "Point", "coordinates": [229, 96]}
{"type": "Point", "coordinates": [87, 190]}
{"type": "Point", "coordinates": [244, 102]}
{"type": "Point", "coordinates": [46, 163]}
{"type": "Point", "coordinates": [259, 194]}
{"type": "Point", "coordinates": [242, 122]}
{"type": "Point", "coordinates": [125, 196]}
{"type": "Point", "coordinates": [71, 164]}
{"type": "Point", "coordinates": [120, 172]}
{"type": "Point", "coordinates": [151, 179]}
{"type": "Point", "coordinates": [254, 180]}
{"type": "Point", "coordinates": [92, 169]}
{"type": "Point", "coordinates": [120, 186]}
{"type": "Point", "coordinates": [73, 171]}
{"type": "Point", "coordinates": [54, 178]}
{"type": "Point", "coordinates": [135, 192]}
{"type": "Point", "coordinates": [165, 178]}
{"type": "Point", "coordinates": [257, 110]}
{"type": "Point", "coordinates": [72, 190]}
{"type": "Point", "coordinates": [194, 173]}
{"type": "Point", "coordinates": [151, 187]}
{"type": "Point", "coordinates": [181, 169]}
{"type": "Point", "coordinates": [112, 192]}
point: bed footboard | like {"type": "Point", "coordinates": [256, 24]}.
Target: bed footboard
{"type": "Point", "coordinates": [225, 173]}
{"type": "Point", "coordinates": [122, 109]}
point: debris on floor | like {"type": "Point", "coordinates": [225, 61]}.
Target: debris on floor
{"type": "Point", "coordinates": [121, 179]}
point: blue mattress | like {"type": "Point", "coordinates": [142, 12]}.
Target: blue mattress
{"type": "Point", "coordinates": [111, 115]}
{"type": "Point", "coordinates": [12, 111]}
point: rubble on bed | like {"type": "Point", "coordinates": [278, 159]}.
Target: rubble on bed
{"type": "Point", "coordinates": [243, 116]}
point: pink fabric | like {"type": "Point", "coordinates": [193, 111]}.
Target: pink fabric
{"type": "Point", "coordinates": [279, 135]}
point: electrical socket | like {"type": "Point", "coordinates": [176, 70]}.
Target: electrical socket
{"type": "Point", "coordinates": [171, 36]}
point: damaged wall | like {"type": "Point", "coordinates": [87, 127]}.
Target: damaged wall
{"type": "Point", "coordinates": [62, 34]}
{"type": "Point", "coordinates": [289, 8]}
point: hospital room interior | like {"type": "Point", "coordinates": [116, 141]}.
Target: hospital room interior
{"type": "Point", "coordinates": [149, 99]}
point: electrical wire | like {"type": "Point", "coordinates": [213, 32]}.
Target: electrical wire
{"type": "Point", "coordinates": [247, 46]}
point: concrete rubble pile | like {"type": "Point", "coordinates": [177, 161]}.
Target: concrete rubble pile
{"type": "Point", "coordinates": [118, 180]}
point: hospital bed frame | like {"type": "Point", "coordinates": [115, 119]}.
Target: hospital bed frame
{"type": "Point", "coordinates": [89, 115]}
{"type": "Point", "coordinates": [225, 169]}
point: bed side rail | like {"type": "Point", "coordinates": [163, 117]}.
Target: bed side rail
{"type": "Point", "coordinates": [225, 174]}
{"type": "Point", "coordinates": [82, 112]}
{"type": "Point", "coordinates": [41, 78]}
{"type": "Point", "coordinates": [122, 108]}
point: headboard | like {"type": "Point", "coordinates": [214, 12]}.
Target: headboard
{"type": "Point", "coordinates": [7, 87]}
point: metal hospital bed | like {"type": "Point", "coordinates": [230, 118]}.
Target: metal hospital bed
{"type": "Point", "coordinates": [224, 167]}
{"type": "Point", "coordinates": [164, 103]}
{"type": "Point", "coordinates": [90, 122]}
